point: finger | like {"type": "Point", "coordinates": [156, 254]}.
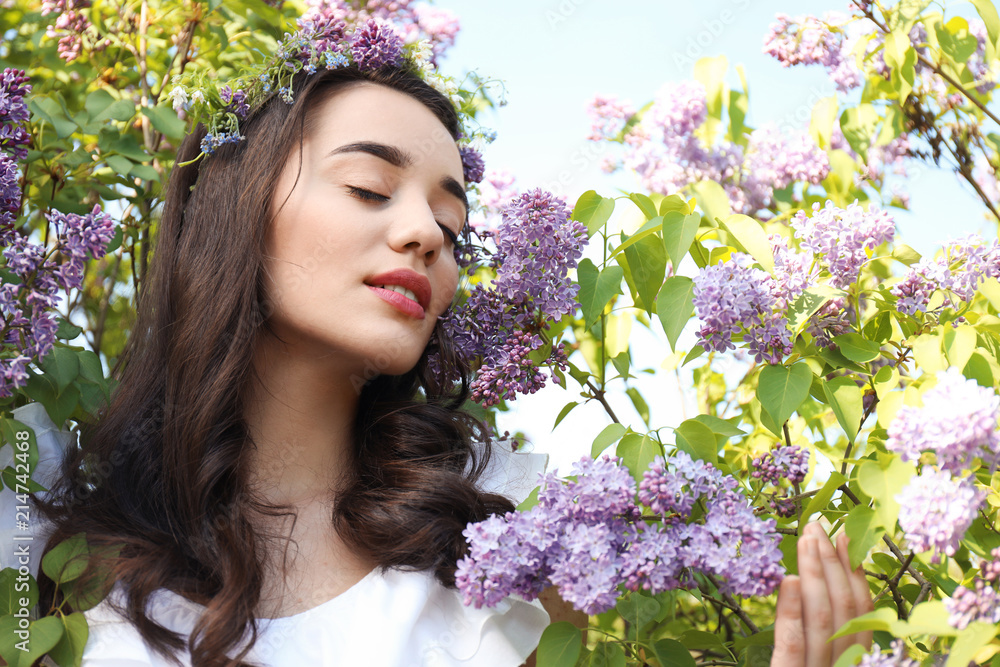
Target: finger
{"type": "Point", "coordinates": [839, 587]}
{"type": "Point", "coordinates": [817, 615]}
{"type": "Point", "coordinates": [859, 586]}
{"type": "Point", "coordinates": [789, 638]}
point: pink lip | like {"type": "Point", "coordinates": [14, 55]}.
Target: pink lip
{"type": "Point", "coordinates": [408, 279]}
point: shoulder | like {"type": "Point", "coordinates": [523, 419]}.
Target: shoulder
{"type": "Point", "coordinates": [113, 640]}
{"type": "Point", "coordinates": [433, 627]}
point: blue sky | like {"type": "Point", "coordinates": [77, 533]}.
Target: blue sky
{"type": "Point", "coordinates": [554, 55]}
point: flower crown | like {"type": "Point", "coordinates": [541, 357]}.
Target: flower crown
{"type": "Point", "coordinates": [321, 42]}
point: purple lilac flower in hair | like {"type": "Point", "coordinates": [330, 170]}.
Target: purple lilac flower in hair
{"type": "Point", "coordinates": [472, 164]}
{"type": "Point", "coordinates": [375, 45]}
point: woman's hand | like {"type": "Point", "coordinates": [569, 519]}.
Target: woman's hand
{"type": "Point", "coordinates": [815, 604]}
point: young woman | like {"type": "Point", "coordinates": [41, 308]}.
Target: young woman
{"type": "Point", "coordinates": [275, 391]}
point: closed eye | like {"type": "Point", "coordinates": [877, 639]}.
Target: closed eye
{"type": "Point", "coordinates": [366, 195]}
{"type": "Point", "coordinates": [452, 236]}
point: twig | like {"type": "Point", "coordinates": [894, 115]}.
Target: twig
{"type": "Point", "coordinates": [599, 395]}
{"type": "Point", "coordinates": [728, 601]}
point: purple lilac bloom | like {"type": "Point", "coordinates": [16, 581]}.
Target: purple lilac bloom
{"type": "Point", "coordinates": [324, 31]}
{"type": "Point", "coordinates": [376, 45]}
{"type": "Point", "coordinates": [897, 658]}
{"type": "Point", "coordinates": [830, 321]}
{"type": "Point", "coordinates": [936, 510]}
{"type": "Point", "coordinates": [774, 161]}
{"type": "Point", "coordinates": [842, 239]}
{"type": "Point", "coordinates": [84, 235]}
{"type": "Point", "coordinates": [672, 485]}
{"type": "Point", "coordinates": [957, 422]}
{"type": "Point", "coordinates": [10, 195]}
{"type": "Point", "coordinates": [472, 164]}
{"type": "Point", "coordinates": [789, 462]}
{"type": "Point", "coordinates": [71, 23]}
{"type": "Point", "coordinates": [733, 294]}
{"type": "Point", "coordinates": [969, 606]}
{"type": "Point", "coordinates": [964, 264]}
{"type": "Point", "coordinates": [793, 273]}
{"type": "Point", "coordinates": [809, 40]}
{"type": "Point", "coordinates": [608, 116]}
{"type": "Point", "coordinates": [537, 244]}
{"type": "Point", "coordinates": [586, 537]}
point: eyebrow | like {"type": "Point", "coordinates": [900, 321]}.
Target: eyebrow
{"type": "Point", "coordinates": [400, 158]}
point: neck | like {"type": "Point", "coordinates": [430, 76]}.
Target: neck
{"type": "Point", "coordinates": [301, 418]}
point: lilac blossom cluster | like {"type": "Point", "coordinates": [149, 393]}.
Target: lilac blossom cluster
{"type": "Point", "coordinates": [375, 44]}
{"type": "Point", "coordinates": [898, 656]}
{"type": "Point", "coordinates": [734, 295]}
{"type": "Point", "coordinates": [70, 26]}
{"type": "Point", "coordinates": [980, 604]}
{"type": "Point", "coordinates": [936, 510]}
{"type": "Point", "coordinates": [14, 138]}
{"type": "Point", "coordinates": [501, 325]}
{"type": "Point", "coordinates": [473, 166]}
{"type": "Point", "coordinates": [842, 240]}
{"type": "Point", "coordinates": [809, 40]}
{"type": "Point", "coordinates": [958, 422]}
{"type": "Point", "coordinates": [588, 537]}
{"type": "Point", "coordinates": [416, 21]}
{"type": "Point", "coordinates": [496, 190]}
{"type": "Point", "coordinates": [665, 150]}
{"type": "Point", "coordinates": [990, 569]}
{"type": "Point", "coordinates": [962, 266]}
{"type": "Point", "coordinates": [789, 462]}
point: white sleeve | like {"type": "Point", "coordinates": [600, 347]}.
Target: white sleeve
{"type": "Point", "coordinates": [512, 474]}
{"type": "Point", "coordinates": [23, 531]}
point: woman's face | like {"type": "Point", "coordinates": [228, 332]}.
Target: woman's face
{"type": "Point", "coordinates": [360, 257]}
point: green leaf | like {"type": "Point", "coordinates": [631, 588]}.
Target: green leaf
{"type": "Point", "coordinates": [988, 13]}
{"type": "Point", "coordinates": [593, 210]}
{"type": "Point", "coordinates": [47, 109]}
{"type": "Point", "coordinates": [880, 619]}
{"type": "Point", "coordinates": [69, 649]}
{"type": "Point", "coordinates": [720, 426]}
{"type": "Point", "coordinates": [67, 560]}
{"type": "Point", "coordinates": [674, 203]}
{"type": "Point", "coordinates": [43, 634]}
{"type": "Point", "coordinates": [120, 165]}
{"type": "Point", "coordinates": [969, 641]}
{"type": "Point", "coordinates": [905, 254]}
{"type": "Point", "coordinates": [846, 399]}
{"type": "Point", "coordinates": [651, 227]}
{"type": "Point", "coordinates": [608, 655]}
{"type": "Point", "coordinates": [638, 610]}
{"type": "Point", "coordinates": [560, 645]}
{"type": "Point", "coordinates": [979, 369]}
{"type": "Point", "coordinates": [679, 231]}
{"type": "Point", "coordinates": [927, 618]}
{"type": "Point", "coordinates": [862, 527]}
{"type": "Point", "coordinates": [597, 288]}
{"type": "Point", "coordinates": [674, 306]}
{"type": "Point", "coordinates": [698, 440]}
{"type": "Point", "coordinates": [645, 204]}
{"type": "Point", "coordinates": [857, 348]}
{"type": "Point", "coordinates": [612, 433]}
{"type": "Point", "coordinates": [67, 330]}
{"type": "Point", "coordinates": [782, 389]}
{"type": "Point", "coordinates": [62, 366]}
{"type": "Point", "coordinates": [822, 498]}
{"type": "Point", "coordinates": [165, 120]}
{"type": "Point", "coordinates": [751, 238]}
{"type": "Point", "coordinates": [712, 199]}
{"type": "Point", "coordinates": [858, 126]}
{"type": "Point", "coordinates": [671, 653]}
{"type": "Point", "coordinates": [568, 408]}
{"type": "Point", "coordinates": [639, 403]}
{"type": "Point", "coordinates": [647, 266]}
{"type": "Point", "coordinates": [959, 343]}
{"type": "Point", "coordinates": [824, 114]}
{"type": "Point", "coordinates": [882, 485]}
{"type": "Point", "coordinates": [637, 451]}
{"type": "Point", "coordinates": [806, 305]}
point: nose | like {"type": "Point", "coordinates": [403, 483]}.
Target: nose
{"type": "Point", "coordinates": [414, 229]}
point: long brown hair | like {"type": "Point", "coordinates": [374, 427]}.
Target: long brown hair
{"type": "Point", "coordinates": [163, 474]}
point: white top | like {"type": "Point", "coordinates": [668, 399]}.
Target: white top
{"type": "Point", "coordinates": [400, 619]}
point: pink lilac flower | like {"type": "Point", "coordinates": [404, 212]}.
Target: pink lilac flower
{"type": "Point", "coordinates": [936, 510]}
{"type": "Point", "coordinates": [69, 26]}
{"type": "Point", "coordinates": [376, 45]}
{"type": "Point", "coordinates": [957, 422]}
{"type": "Point", "coordinates": [842, 239]}
{"type": "Point", "coordinates": [608, 116]}
{"type": "Point", "coordinates": [990, 569]}
{"type": "Point", "coordinates": [496, 191]}
{"type": "Point", "coordinates": [969, 606]}
{"type": "Point", "coordinates": [587, 538]}
{"type": "Point", "coordinates": [440, 25]}
{"type": "Point", "coordinates": [897, 658]}
{"type": "Point", "coordinates": [809, 40]}
{"type": "Point", "coordinates": [783, 462]}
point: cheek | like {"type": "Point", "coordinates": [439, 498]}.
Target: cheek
{"type": "Point", "coordinates": [444, 289]}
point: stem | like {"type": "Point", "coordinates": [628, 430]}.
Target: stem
{"type": "Point", "coordinates": [728, 602]}
{"type": "Point", "coordinates": [599, 395]}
